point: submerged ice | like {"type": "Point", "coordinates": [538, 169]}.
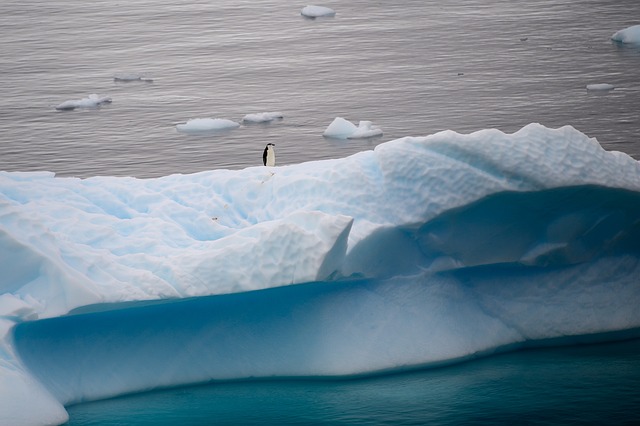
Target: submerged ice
{"type": "Point", "coordinates": [423, 251]}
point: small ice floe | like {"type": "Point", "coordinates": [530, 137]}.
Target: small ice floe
{"type": "Point", "coordinates": [92, 101]}
{"type": "Point", "coordinates": [344, 129]}
{"type": "Point", "coordinates": [125, 78]}
{"type": "Point", "coordinates": [317, 11]}
{"type": "Point", "coordinates": [629, 35]}
{"type": "Point", "coordinates": [601, 87]}
{"type": "Point", "coordinates": [199, 125]}
{"type": "Point", "coordinates": [262, 117]}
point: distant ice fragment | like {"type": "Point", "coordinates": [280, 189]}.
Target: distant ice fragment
{"type": "Point", "coordinates": [131, 77]}
{"type": "Point", "coordinates": [262, 117]}
{"type": "Point", "coordinates": [366, 129]}
{"type": "Point", "coordinates": [317, 11]}
{"type": "Point", "coordinates": [344, 129]}
{"type": "Point", "coordinates": [196, 125]}
{"type": "Point", "coordinates": [600, 87]}
{"type": "Point", "coordinates": [92, 101]}
{"type": "Point", "coordinates": [628, 35]}
{"type": "Point", "coordinates": [340, 128]}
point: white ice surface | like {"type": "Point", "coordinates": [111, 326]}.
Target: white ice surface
{"type": "Point", "coordinates": [341, 128]}
{"type": "Point", "coordinates": [600, 86]}
{"type": "Point", "coordinates": [317, 11]}
{"type": "Point", "coordinates": [629, 35]}
{"type": "Point", "coordinates": [83, 240]}
{"type": "Point", "coordinates": [262, 117]}
{"type": "Point", "coordinates": [92, 101]}
{"type": "Point", "coordinates": [196, 125]}
{"type": "Point", "coordinates": [365, 129]}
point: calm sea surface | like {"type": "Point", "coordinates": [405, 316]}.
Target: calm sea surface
{"type": "Point", "coordinates": [413, 67]}
{"type": "Point", "coordinates": [579, 385]}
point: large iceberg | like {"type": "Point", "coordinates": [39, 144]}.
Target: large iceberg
{"type": "Point", "coordinates": [421, 252]}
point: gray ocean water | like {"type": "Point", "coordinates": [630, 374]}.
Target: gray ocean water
{"type": "Point", "coordinates": [413, 67]}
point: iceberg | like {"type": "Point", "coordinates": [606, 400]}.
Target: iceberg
{"type": "Point", "coordinates": [629, 35]}
{"type": "Point", "coordinates": [92, 101]}
{"type": "Point", "coordinates": [317, 11]}
{"type": "Point", "coordinates": [203, 125]}
{"type": "Point", "coordinates": [421, 252]}
{"type": "Point", "coordinates": [344, 129]}
{"type": "Point", "coordinates": [262, 117]}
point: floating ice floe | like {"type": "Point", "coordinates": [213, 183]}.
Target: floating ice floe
{"type": "Point", "coordinates": [341, 128]}
{"type": "Point", "coordinates": [92, 101]}
{"type": "Point", "coordinates": [603, 87]}
{"type": "Point", "coordinates": [197, 125]}
{"type": "Point", "coordinates": [317, 11]}
{"type": "Point", "coordinates": [131, 77]}
{"type": "Point", "coordinates": [628, 35]}
{"type": "Point", "coordinates": [262, 117]}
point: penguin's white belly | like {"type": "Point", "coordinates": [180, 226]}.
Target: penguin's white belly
{"type": "Point", "coordinates": [271, 158]}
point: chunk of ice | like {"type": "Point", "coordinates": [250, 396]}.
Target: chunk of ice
{"type": "Point", "coordinates": [344, 129]}
{"type": "Point", "coordinates": [317, 11]}
{"type": "Point", "coordinates": [628, 35]}
{"type": "Point", "coordinates": [262, 117]}
{"type": "Point", "coordinates": [196, 125]}
{"type": "Point", "coordinates": [600, 86]}
{"type": "Point", "coordinates": [92, 101]}
{"type": "Point", "coordinates": [131, 77]}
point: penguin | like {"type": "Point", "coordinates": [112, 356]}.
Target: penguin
{"type": "Point", "coordinates": [269, 155]}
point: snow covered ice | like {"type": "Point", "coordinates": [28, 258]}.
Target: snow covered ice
{"type": "Point", "coordinates": [629, 35]}
{"type": "Point", "coordinates": [341, 128]}
{"type": "Point", "coordinates": [423, 251]}
{"type": "Point", "coordinates": [92, 101]}
{"type": "Point", "coordinates": [197, 125]}
{"type": "Point", "coordinates": [317, 11]}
